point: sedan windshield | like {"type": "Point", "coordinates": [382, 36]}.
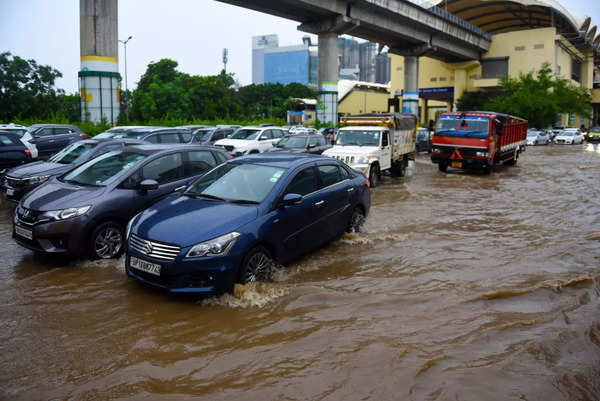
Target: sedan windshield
{"type": "Point", "coordinates": [72, 153]}
{"type": "Point", "coordinates": [568, 133]}
{"type": "Point", "coordinates": [237, 182]}
{"type": "Point", "coordinates": [243, 133]}
{"type": "Point", "coordinates": [358, 138]}
{"type": "Point", "coordinates": [290, 142]}
{"type": "Point", "coordinates": [532, 133]}
{"type": "Point", "coordinates": [203, 134]}
{"type": "Point", "coordinates": [104, 169]}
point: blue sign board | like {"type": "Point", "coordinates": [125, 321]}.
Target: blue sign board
{"type": "Point", "coordinates": [287, 67]}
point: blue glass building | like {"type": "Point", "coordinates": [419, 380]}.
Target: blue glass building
{"type": "Point", "coordinates": [287, 64]}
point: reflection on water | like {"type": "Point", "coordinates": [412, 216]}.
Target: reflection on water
{"type": "Point", "coordinates": [460, 286]}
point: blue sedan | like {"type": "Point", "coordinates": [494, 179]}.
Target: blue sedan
{"type": "Point", "coordinates": [232, 223]}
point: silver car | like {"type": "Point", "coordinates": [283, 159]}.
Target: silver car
{"type": "Point", "coordinates": [535, 137]}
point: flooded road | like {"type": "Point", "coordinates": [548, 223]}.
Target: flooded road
{"type": "Point", "coordinates": [462, 287]}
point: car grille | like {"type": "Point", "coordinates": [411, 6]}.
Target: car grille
{"type": "Point", "coordinates": [154, 249]}
{"type": "Point", "coordinates": [345, 159]}
{"type": "Point", "coordinates": [465, 152]}
{"type": "Point", "coordinates": [30, 217]}
{"type": "Point", "coordinates": [16, 182]}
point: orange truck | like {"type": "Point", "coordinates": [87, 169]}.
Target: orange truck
{"type": "Point", "coordinates": [477, 140]}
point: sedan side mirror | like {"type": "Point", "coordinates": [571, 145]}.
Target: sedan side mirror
{"type": "Point", "coordinates": [291, 199]}
{"type": "Point", "coordinates": [148, 185]}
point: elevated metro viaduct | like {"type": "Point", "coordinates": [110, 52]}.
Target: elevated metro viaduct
{"type": "Point", "coordinates": [406, 28]}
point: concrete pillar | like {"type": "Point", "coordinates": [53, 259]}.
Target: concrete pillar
{"type": "Point", "coordinates": [328, 78]}
{"type": "Point", "coordinates": [460, 84]}
{"type": "Point", "coordinates": [424, 118]}
{"type": "Point", "coordinates": [99, 78]}
{"type": "Point", "coordinates": [410, 97]}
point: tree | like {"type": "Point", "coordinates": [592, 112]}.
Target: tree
{"type": "Point", "coordinates": [27, 89]}
{"type": "Point", "coordinates": [540, 97]}
{"type": "Point", "coordinates": [471, 101]}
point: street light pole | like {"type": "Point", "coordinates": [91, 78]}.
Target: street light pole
{"type": "Point", "coordinates": [126, 92]}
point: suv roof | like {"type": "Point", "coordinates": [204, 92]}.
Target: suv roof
{"type": "Point", "coordinates": [55, 126]}
{"type": "Point", "coordinates": [157, 147]}
{"type": "Point", "coordinates": [159, 129]}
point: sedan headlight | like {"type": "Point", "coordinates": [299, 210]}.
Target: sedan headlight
{"type": "Point", "coordinates": [128, 229]}
{"type": "Point", "coordinates": [38, 179]}
{"type": "Point", "coordinates": [66, 213]}
{"type": "Point", "coordinates": [482, 154]}
{"type": "Point", "coordinates": [219, 246]}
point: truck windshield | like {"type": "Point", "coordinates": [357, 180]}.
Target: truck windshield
{"type": "Point", "coordinates": [358, 138]}
{"type": "Point", "coordinates": [469, 126]}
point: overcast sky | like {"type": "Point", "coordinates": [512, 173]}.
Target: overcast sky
{"type": "Point", "coordinates": [192, 32]}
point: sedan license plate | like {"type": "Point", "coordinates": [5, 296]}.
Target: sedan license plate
{"type": "Point", "coordinates": [10, 191]}
{"type": "Point", "coordinates": [148, 267]}
{"type": "Point", "coordinates": [23, 232]}
{"type": "Point", "coordinates": [456, 164]}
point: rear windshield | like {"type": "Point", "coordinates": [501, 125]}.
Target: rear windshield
{"type": "Point", "coordinates": [9, 140]}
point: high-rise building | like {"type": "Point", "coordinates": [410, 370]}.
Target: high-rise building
{"type": "Point", "coordinates": [259, 44]}
{"type": "Point", "coordinates": [348, 53]}
{"type": "Point", "coordinates": [383, 68]}
{"type": "Point", "coordinates": [366, 62]}
{"type": "Point", "coordinates": [287, 64]}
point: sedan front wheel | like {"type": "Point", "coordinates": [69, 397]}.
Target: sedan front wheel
{"type": "Point", "coordinates": [256, 266]}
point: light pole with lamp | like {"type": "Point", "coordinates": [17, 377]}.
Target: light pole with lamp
{"type": "Point", "coordinates": [126, 92]}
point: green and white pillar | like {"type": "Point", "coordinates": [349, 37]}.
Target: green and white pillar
{"type": "Point", "coordinates": [327, 107]}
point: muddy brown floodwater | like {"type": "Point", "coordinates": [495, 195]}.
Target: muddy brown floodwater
{"type": "Point", "coordinates": [462, 287]}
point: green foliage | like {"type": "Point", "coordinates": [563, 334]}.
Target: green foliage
{"type": "Point", "coordinates": [540, 97]}
{"type": "Point", "coordinates": [27, 91]}
{"type": "Point", "coordinates": [471, 101]}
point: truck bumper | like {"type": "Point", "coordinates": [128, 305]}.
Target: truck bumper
{"type": "Point", "coordinates": [465, 164]}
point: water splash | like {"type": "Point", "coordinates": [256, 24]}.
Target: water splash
{"type": "Point", "coordinates": [251, 295]}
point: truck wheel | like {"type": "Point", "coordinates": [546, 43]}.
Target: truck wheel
{"type": "Point", "coordinates": [374, 175]}
{"type": "Point", "coordinates": [513, 161]}
{"type": "Point", "coordinates": [487, 169]}
{"type": "Point", "coordinates": [442, 167]}
{"type": "Point", "coordinates": [397, 169]}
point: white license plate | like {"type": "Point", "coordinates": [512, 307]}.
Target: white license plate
{"type": "Point", "coordinates": [148, 267]}
{"type": "Point", "coordinates": [23, 232]}
{"type": "Point", "coordinates": [10, 191]}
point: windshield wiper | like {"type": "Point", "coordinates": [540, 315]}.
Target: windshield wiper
{"type": "Point", "coordinates": [244, 201]}
{"type": "Point", "coordinates": [207, 196]}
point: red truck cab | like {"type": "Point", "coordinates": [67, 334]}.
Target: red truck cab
{"type": "Point", "coordinates": [477, 140]}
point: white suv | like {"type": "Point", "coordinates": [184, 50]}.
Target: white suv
{"type": "Point", "coordinates": [248, 140]}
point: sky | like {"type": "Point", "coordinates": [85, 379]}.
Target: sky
{"type": "Point", "coordinates": [191, 32]}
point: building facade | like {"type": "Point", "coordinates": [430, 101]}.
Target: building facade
{"type": "Point", "coordinates": [525, 37]}
{"type": "Point", "coordinates": [259, 44]}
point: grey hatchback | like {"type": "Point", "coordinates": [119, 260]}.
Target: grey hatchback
{"type": "Point", "coordinates": [86, 210]}
{"type": "Point", "coordinates": [50, 138]}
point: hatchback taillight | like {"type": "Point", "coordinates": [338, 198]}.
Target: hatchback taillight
{"type": "Point", "coordinates": [27, 153]}
{"type": "Point", "coordinates": [83, 135]}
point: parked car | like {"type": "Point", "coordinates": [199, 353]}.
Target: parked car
{"type": "Point", "coordinates": [557, 130]}
{"type": "Point", "coordinates": [12, 151]}
{"type": "Point", "coordinates": [269, 207]}
{"type": "Point", "coordinates": [315, 144]}
{"type": "Point", "coordinates": [159, 134]}
{"type": "Point", "coordinates": [24, 135]}
{"type": "Point", "coordinates": [594, 134]}
{"type": "Point", "coordinates": [86, 210]}
{"type": "Point", "coordinates": [209, 135]}
{"type": "Point", "coordinates": [118, 132]}
{"type": "Point", "coordinates": [569, 136]}
{"type": "Point", "coordinates": [21, 180]}
{"type": "Point", "coordinates": [50, 138]}
{"type": "Point", "coordinates": [249, 140]}
{"type": "Point", "coordinates": [423, 140]}
{"type": "Point", "coordinates": [535, 137]}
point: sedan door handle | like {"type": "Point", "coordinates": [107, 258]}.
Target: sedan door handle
{"type": "Point", "coordinates": [180, 188]}
{"type": "Point", "coordinates": [350, 190]}
{"type": "Point", "coordinates": [320, 203]}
